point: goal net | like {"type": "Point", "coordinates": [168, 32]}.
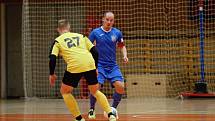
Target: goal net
{"type": "Point", "coordinates": [162, 39]}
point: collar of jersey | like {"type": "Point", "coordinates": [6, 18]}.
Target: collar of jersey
{"type": "Point", "coordinates": [105, 30]}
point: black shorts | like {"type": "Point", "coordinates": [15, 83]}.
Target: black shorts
{"type": "Point", "coordinates": [72, 79]}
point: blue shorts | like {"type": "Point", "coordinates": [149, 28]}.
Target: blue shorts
{"type": "Point", "coordinates": [111, 74]}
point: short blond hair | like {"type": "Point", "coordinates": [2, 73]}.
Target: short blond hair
{"type": "Point", "coordinates": [63, 23]}
{"type": "Point", "coordinates": [108, 12]}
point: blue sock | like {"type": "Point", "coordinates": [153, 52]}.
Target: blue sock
{"type": "Point", "coordinates": [116, 99]}
{"type": "Point", "coordinates": [92, 102]}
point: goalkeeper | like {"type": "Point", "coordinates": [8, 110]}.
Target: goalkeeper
{"type": "Point", "coordinates": [106, 38]}
{"type": "Point", "coordinates": [81, 58]}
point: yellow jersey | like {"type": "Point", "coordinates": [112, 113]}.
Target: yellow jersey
{"type": "Point", "coordinates": [75, 50]}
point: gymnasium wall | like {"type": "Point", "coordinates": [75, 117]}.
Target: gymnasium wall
{"type": "Point", "coordinates": [0, 49]}
{"type": "Point", "coordinates": [14, 68]}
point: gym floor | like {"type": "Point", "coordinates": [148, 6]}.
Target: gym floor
{"type": "Point", "coordinates": [146, 109]}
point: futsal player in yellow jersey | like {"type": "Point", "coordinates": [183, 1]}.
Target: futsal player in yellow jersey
{"type": "Point", "coordinates": [81, 58]}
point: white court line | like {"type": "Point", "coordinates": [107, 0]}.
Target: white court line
{"type": "Point", "coordinates": [145, 117]}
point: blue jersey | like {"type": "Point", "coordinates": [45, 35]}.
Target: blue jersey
{"type": "Point", "coordinates": [106, 42]}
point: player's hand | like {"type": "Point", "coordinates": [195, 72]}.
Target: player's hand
{"type": "Point", "coordinates": [52, 79]}
{"type": "Point", "coordinates": [125, 59]}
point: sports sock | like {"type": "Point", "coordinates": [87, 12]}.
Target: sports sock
{"type": "Point", "coordinates": [102, 100]}
{"type": "Point", "coordinates": [71, 104]}
{"type": "Point", "coordinates": [116, 99]}
{"type": "Point", "coordinates": [92, 102]}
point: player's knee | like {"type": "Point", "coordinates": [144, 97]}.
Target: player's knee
{"type": "Point", "coordinates": [93, 88]}
{"type": "Point", "coordinates": [65, 89]}
{"type": "Point", "coordinates": [120, 89]}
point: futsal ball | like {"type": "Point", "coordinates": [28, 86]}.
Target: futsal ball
{"type": "Point", "coordinates": [114, 111]}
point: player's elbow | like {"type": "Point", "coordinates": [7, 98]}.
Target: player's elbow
{"type": "Point", "coordinates": [52, 57]}
{"type": "Point", "coordinates": [95, 54]}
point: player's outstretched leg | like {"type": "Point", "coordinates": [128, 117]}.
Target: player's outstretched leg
{"type": "Point", "coordinates": [91, 113]}
{"type": "Point", "coordinates": [71, 102]}
{"type": "Point", "coordinates": [117, 96]}
{"type": "Point", "coordinates": [102, 100]}
{"type": "Point", "coordinates": [116, 99]}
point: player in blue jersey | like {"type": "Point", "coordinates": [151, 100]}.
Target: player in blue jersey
{"type": "Point", "coordinates": [106, 39]}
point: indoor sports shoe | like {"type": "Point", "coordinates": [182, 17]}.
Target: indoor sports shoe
{"type": "Point", "coordinates": [112, 118]}
{"type": "Point", "coordinates": [81, 119]}
{"type": "Point", "coordinates": [91, 114]}
{"type": "Point", "coordinates": [114, 111]}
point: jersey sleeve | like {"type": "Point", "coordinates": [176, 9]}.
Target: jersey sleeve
{"type": "Point", "coordinates": [92, 36]}
{"type": "Point", "coordinates": [55, 48]}
{"type": "Point", "coordinates": [120, 37]}
{"type": "Point", "coordinates": [89, 44]}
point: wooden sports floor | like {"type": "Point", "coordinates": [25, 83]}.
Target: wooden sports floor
{"type": "Point", "coordinates": [150, 109]}
{"type": "Point", "coordinates": [123, 117]}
